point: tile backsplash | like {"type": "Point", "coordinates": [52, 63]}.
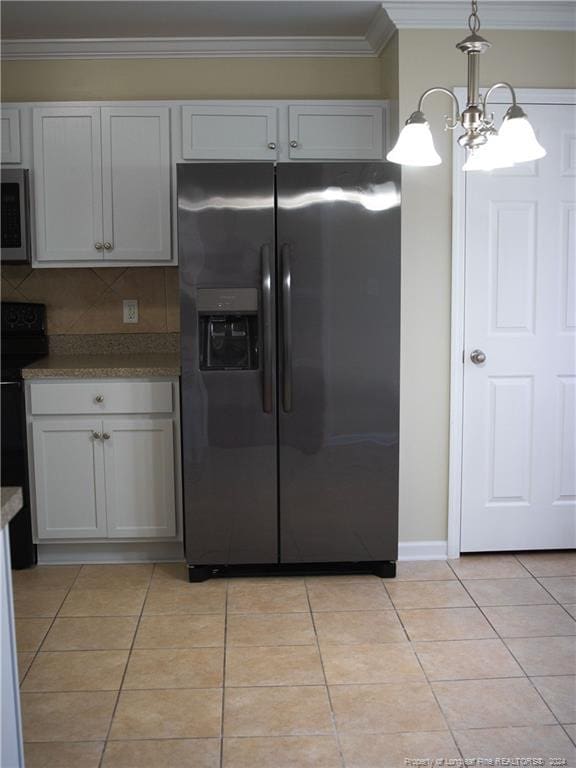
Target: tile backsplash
{"type": "Point", "coordinates": [89, 301]}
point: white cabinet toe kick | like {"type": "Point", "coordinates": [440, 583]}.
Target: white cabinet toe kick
{"type": "Point", "coordinates": [104, 459]}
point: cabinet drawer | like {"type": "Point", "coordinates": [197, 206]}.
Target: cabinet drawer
{"type": "Point", "coordinates": [92, 397]}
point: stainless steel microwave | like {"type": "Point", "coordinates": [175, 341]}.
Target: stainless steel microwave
{"type": "Point", "coordinates": [15, 221]}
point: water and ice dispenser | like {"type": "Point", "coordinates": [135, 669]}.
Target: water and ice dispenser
{"type": "Point", "coordinates": [228, 326]}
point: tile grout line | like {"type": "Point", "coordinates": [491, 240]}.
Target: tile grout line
{"type": "Point", "coordinates": [449, 727]}
{"type": "Point", "coordinates": [221, 761]}
{"type": "Point", "coordinates": [327, 687]}
{"type": "Point", "coordinates": [526, 676]}
{"type": "Point", "coordinates": [115, 708]}
{"type": "Point", "coordinates": [56, 615]}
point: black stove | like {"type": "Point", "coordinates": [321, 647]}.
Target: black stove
{"type": "Point", "coordinates": [24, 340]}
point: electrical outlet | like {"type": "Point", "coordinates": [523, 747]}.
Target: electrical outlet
{"type": "Point", "coordinates": [130, 309]}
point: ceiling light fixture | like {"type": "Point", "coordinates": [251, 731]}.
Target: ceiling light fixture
{"type": "Point", "coordinates": [488, 148]}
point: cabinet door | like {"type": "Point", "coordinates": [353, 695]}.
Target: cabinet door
{"type": "Point", "coordinates": [68, 183]}
{"type": "Point", "coordinates": [10, 133]}
{"type": "Point", "coordinates": [229, 133]}
{"type": "Point", "coordinates": [69, 477]}
{"type": "Point", "coordinates": [335, 132]}
{"type": "Point", "coordinates": [136, 183]}
{"type": "Point", "coordinates": [140, 489]}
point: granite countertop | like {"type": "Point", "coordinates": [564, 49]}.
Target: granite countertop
{"type": "Point", "coordinates": [95, 366]}
{"type": "Point", "coordinates": [11, 504]}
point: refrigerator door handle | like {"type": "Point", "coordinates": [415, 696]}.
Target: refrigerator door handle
{"type": "Point", "coordinates": [286, 329]}
{"type": "Point", "coordinates": [266, 328]}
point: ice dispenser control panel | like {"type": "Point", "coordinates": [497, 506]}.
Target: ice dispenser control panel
{"type": "Point", "coordinates": [228, 325]}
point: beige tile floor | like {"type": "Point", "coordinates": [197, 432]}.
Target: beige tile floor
{"type": "Point", "coordinates": [132, 667]}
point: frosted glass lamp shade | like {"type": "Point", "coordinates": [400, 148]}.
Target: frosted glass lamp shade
{"type": "Point", "coordinates": [494, 154]}
{"type": "Point", "coordinates": [415, 146]}
{"type": "Point", "coordinates": [520, 139]}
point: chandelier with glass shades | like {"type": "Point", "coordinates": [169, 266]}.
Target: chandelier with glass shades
{"type": "Point", "coordinates": [487, 148]}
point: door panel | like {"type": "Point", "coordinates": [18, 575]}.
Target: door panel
{"type": "Point", "coordinates": [225, 217]}
{"type": "Point", "coordinates": [139, 464]}
{"type": "Point", "coordinates": [339, 132]}
{"type": "Point", "coordinates": [519, 419]}
{"type": "Point", "coordinates": [229, 133]}
{"type": "Point", "coordinates": [68, 184]}
{"type": "Point", "coordinates": [69, 479]}
{"type": "Point", "coordinates": [339, 226]}
{"type": "Point", "coordinates": [136, 183]}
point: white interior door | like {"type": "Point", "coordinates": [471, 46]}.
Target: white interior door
{"type": "Point", "coordinates": [519, 420]}
{"type": "Point", "coordinates": [139, 464]}
{"type": "Point", "coordinates": [68, 183]}
{"type": "Point", "coordinates": [136, 183]}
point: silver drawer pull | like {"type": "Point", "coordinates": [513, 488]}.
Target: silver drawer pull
{"type": "Point", "coordinates": [271, 145]}
{"type": "Point", "coordinates": [98, 246]}
{"type": "Point", "coordinates": [293, 144]}
{"type": "Point", "coordinates": [97, 435]}
{"type": "Point", "coordinates": [105, 436]}
{"type": "Point", "coordinates": [108, 246]}
{"type": "Point", "coordinates": [99, 399]}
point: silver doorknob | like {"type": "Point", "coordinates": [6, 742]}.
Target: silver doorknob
{"type": "Point", "coordinates": [108, 246]}
{"type": "Point", "coordinates": [293, 144]}
{"type": "Point", "coordinates": [105, 436]}
{"type": "Point", "coordinates": [271, 145]}
{"type": "Point", "coordinates": [97, 435]}
{"type": "Point", "coordinates": [98, 246]}
{"type": "Point", "coordinates": [478, 357]}
{"type": "Point", "coordinates": [99, 399]}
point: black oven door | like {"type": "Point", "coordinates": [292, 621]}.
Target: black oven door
{"type": "Point", "coordinates": [15, 471]}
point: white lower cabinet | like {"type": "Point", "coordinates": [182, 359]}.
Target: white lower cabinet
{"type": "Point", "coordinates": [104, 477]}
{"type": "Point", "coordinates": [69, 478]}
{"type": "Point", "coordinates": [139, 468]}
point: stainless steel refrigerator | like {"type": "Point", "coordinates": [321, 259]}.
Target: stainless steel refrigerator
{"type": "Point", "coordinates": [290, 328]}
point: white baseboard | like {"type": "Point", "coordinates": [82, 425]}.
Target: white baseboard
{"type": "Point", "coordinates": [147, 552]}
{"type": "Point", "coordinates": [133, 552]}
{"type": "Point", "coordinates": [423, 550]}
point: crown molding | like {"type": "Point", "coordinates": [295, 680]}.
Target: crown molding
{"type": "Point", "coordinates": [394, 14]}
{"type": "Point", "coordinates": [559, 15]}
{"type": "Point", "coordinates": [191, 47]}
{"type": "Point", "coordinates": [380, 31]}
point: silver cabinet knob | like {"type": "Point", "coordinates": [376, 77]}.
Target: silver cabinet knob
{"type": "Point", "coordinates": [293, 144]}
{"type": "Point", "coordinates": [105, 436]}
{"type": "Point", "coordinates": [97, 435]}
{"type": "Point", "coordinates": [98, 246]}
{"type": "Point", "coordinates": [108, 246]}
{"type": "Point", "coordinates": [271, 145]}
{"type": "Point", "coordinates": [478, 357]}
{"type": "Point", "coordinates": [99, 399]}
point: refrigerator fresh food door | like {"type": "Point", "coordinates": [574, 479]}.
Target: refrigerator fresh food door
{"type": "Point", "coordinates": [338, 236]}
{"type": "Point", "coordinates": [227, 274]}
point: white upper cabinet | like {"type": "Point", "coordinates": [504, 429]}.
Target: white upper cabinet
{"type": "Point", "coordinates": [68, 184]}
{"type": "Point", "coordinates": [229, 133]}
{"type": "Point", "coordinates": [136, 183]}
{"type": "Point", "coordinates": [10, 133]}
{"type": "Point", "coordinates": [333, 132]}
{"type": "Point", "coordinates": [102, 184]}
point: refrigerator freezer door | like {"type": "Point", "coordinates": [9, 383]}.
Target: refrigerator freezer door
{"type": "Point", "coordinates": [226, 241]}
{"type": "Point", "coordinates": [338, 234]}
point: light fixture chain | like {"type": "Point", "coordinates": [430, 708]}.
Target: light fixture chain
{"type": "Point", "coordinates": [474, 19]}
